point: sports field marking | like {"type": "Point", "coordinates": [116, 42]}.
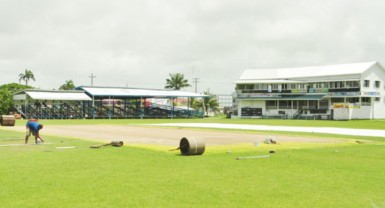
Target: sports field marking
{"type": "Point", "coordinates": [324, 130]}
{"type": "Point", "coordinates": [70, 147]}
{"type": "Point", "coordinates": [12, 145]}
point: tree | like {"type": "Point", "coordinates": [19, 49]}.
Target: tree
{"type": "Point", "coordinates": [206, 103]}
{"type": "Point", "coordinates": [68, 85]}
{"type": "Point", "coordinates": [6, 96]}
{"type": "Point", "coordinates": [176, 82]}
{"type": "Point", "coordinates": [5, 101]}
{"type": "Point", "coordinates": [28, 74]}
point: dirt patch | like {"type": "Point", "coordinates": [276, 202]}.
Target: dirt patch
{"type": "Point", "coordinates": [163, 136]}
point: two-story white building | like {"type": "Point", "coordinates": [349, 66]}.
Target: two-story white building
{"type": "Point", "coordinates": [340, 92]}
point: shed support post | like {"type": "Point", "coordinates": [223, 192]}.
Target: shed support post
{"type": "Point", "coordinates": [141, 108]}
{"type": "Point", "coordinates": [188, 107]}
{"type": "Point", "coordinates": [93, 107]}
{"type": "Point", "coordinates": [173, 107]}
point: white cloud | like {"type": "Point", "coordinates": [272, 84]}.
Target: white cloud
{"type": "Point", "coordinates": [138, 43]}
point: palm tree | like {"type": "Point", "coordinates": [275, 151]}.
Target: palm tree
{"type": "Point", "coordinates": [69, 85]}
{"type": "Point", "coordinates": [206, 103]}
{"type": "Point", "coordinates": [176, 82]}
{"type": "Point", "coordinates": [26, 76]}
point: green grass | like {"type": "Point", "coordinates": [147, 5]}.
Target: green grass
{"type": "Point", "coordinates": [297, 175]}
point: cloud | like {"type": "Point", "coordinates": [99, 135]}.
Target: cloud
{"type": "Point", "coordinates": [139, 43]}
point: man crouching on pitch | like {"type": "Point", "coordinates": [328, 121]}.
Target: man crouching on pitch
{"type": "Point", "coordinates": [33, 127]}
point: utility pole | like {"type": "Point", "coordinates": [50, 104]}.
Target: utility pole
{"type": "Point", "coordinates": [92, 79]}
{"type": "Point", "coordinates": [196, 84]}
{"type": "Point", "coordinates": [195, 80]}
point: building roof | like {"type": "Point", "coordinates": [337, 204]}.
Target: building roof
{"type": "Point", "coordinates": [304, 72]}
{"type": "Point", "coordinates": [53, 95]}
{"type": "Point", "coordinates": [136, 93]}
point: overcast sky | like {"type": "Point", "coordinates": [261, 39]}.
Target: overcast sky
{"type": "Point", "coordinates": [138, 43]}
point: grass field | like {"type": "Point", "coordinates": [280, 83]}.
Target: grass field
{"type": "Point", "coordinates": [297, 175]}
{"type": "Point", "coordinates": [356, 124]}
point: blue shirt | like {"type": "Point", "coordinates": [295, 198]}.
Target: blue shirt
{"type": "Point", "coordinates": [34, 126]}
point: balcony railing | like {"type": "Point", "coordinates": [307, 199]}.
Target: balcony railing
{"type": "Point", "coordinates": [255, 95]}
{"type": "Point", "coordinates": [355, 89]}
{"type": "Point", "coordinates": [278, 93]}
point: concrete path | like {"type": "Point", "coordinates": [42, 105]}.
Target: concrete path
{"type": "Point", "coordinates": [325, 130]}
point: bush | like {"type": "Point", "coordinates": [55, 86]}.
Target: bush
{"type": "Point", "coordinates": [6, 96]}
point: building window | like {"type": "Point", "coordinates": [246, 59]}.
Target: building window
{"type": "Point", "coordinates": [352, 100]}
{"type": "Point", "coordinates": [313, 85]}
{"type": "Point", "coordinates": [366, 83]}
{"type": "Point", "coordinates": [261, 86]}
{"type": "Point", "coordinates": [271, 104]}
{"type": "Point", "coordinates": [337, 84]}
{"type": "Point", "coordinates": [377, 84]}
{"type": "Point", "coordinates": [323, 104]}
{"type": "Point", "coordinates": [337, 100]}
{"type": "Point", "coordinates": [302, 104]}
{"type": "Point", "coordinates": [313, 104]}
{"type": "Point", "coordinates": [377, 99]}
{"type": "Point", "coordinates": [240, 87]}
{"type": "Point", "coordinates": [365, 101]}
{"type": "Point", "coordinates": [321, 85]}
{"type": "Point", "coordinates": [354, 84]}
{"type": "Point", "coordinates": [348, 84]}
{"type": "Point", "coordinates": [295, 104]}
{"type": "Point", "coordinates": [284, 104]}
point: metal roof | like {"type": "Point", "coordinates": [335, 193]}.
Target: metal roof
{"type": "Point", "coordinates": [54, 95]}
{"type": "Point", "coordinates": [303, 72]}
{"type": "Point", "coordinates": [137, 93]}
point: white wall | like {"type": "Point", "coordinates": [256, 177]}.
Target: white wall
{"type": "Point", "coordinates": [375, 73]}
{"type": "Point", "coordinates": [364, 112]}
{"type": "Point", "coordinates": [341, 114]}
{"type": "Point", "coordinates": [275, 112]}
{"type": "Point", "coordinates": [379, 108]}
